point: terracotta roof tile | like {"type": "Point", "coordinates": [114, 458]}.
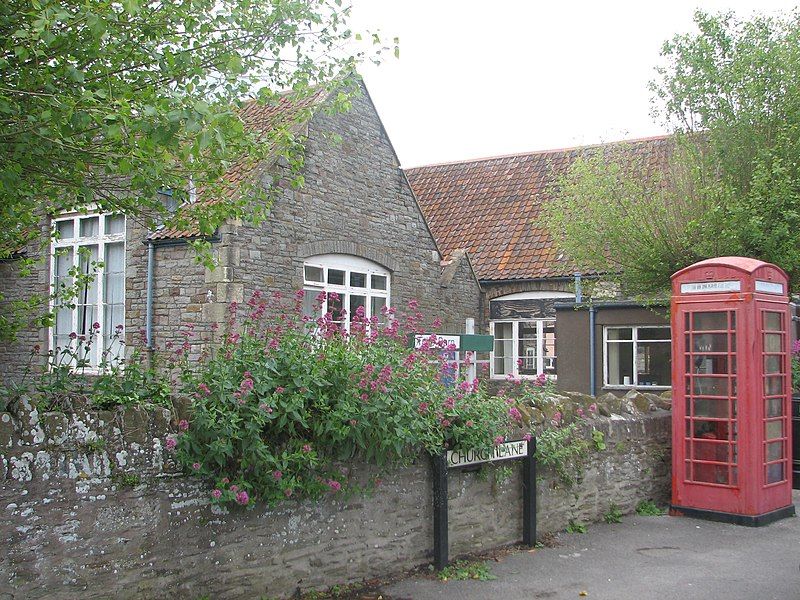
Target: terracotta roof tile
{"type": "Point", "coordinates": [258, 118]}
{"type": "Point", "coordinates": [491, 207]}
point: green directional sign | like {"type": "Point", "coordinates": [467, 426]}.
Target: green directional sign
{"type": "Point", "coordinates": [463, 342]}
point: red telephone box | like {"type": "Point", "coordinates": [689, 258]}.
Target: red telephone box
{"type": "Point", "coordinates": [731, 392]}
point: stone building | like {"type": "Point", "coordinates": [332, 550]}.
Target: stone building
{"type": "Point", "coordinates": [491, 208]}
{"type": "Point", "coordinates": [354, 227]}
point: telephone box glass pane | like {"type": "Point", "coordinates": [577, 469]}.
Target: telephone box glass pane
{"type": "Point", "coordinates": [709, 321]}
{"type": "Point", "coordinates": [705, 364]}
{"type": "Point", "coordinates": [710, 386]}
{"type": "Point", "coordinates": [772, 364]}
{"type": "Point", "coordinates": [711, 473]}
{"type": "Point", "coordinates": [774, 407]}
{"type": "Point", "coordinates": [774, 451]}
{"type": "Point", "coordinates": [772, 342]}
{"type": "Point", "coordinates": [715, 409]}
{"type": "Point", "coordinates": [772, 321]}
{"type": "Point", "coordinates": [711, 430]}
{"type": "Point", "coordinates": [773, 385]}
{"type": "Point", "coordinates": [775, 473]}
{"type": "Point", "coordinates": [711, 342]}
{"type": "Point", "coordinates": [774, 430]}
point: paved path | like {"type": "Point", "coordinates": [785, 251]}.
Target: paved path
{"type": "Point", "coordinates": [662, 558]}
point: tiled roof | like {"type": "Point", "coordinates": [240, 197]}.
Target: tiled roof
{"type": "Point", "coordinates": [491, 207]}
{"type": "Point", "coordinates": [258, 118]}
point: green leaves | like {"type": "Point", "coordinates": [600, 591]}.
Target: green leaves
{"type": "Point", "coordinates": [109, 102]}
{"type": "Point", "coordinates": [731, 186]}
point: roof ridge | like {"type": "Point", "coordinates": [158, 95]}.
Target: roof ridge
{"type": "Point", "coordinates": [538, 152]}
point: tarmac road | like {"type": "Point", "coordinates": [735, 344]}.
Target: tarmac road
{"type": "Point", "coordinates": [662, 558]}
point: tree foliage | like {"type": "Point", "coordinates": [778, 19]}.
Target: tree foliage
{"type": "Point", "coordinates": [731, 95]}
{"type": "Point", "coordinates": [107, 102]}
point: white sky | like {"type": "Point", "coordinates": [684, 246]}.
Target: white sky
{"type": "Point", "coordinates": [478, 79]}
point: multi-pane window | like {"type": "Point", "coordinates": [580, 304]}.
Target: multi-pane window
{"type": "Point", "coordinates": [356, 282]}
{"type": "Point", "coordinates": [523, 349]}
{"type": "Point", "coordinates": [637, 356]}
{"type": "Point", "coordinates": [88, 279]}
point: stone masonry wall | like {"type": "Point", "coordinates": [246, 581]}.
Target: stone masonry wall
{"type": "Point", "coordinates": [93, 506]}
{"type": "Point", "coordinates": [354, 200]}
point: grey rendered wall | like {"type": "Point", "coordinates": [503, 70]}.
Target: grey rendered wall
{"type": "Point", "coordinates": [572, 342]}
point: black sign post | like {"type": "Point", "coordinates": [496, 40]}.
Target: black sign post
{"type": "Point", "coordinates": [440, 464]}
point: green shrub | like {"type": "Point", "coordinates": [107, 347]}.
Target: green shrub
{"type": "Point", "coordinates": [648, 508]}
{"type": "Point", "coordinates": [563, 450]}
{"type": "Point", "coordinates": [286, 399]}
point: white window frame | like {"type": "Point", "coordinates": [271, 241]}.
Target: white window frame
{"type": "Point", "coordinates": [101, 240]}
{"type": "Point", "coordinates": [635, 341]}
{"type": "Point", "coordinates": [540, 359]}
{"type": "Point", "coordinates": [348, 263]}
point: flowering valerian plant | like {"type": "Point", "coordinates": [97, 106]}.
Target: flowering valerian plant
{"type": "Point", "coordinates": [287, 397]}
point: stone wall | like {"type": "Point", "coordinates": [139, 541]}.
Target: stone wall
{"type": "Point", "coordinates": [355, 200]}
{"type": "Point", "coordinates": [94, 506]}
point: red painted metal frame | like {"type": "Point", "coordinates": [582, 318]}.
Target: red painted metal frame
{"type": "Point", "coordinates": [731, 390]}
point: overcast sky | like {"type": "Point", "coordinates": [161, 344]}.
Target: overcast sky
{"type": "Point", "coordinates": [478, 79]}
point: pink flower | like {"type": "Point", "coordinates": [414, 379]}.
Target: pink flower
{"type": "Point", "coordinates": [353, 422]}
{"type": "Point", "coordinates": [306, 448]}
{"type": "Point", "coordinates": [225, 480]}
{"type": "Point", "coordinates": [557, 417]}
{"type": "Point", "coordinates": [413, 304]}
{"type": "Point", "coordinates": [527, 437]}
{"type": "Point", "coordinates": [514, 413]}
{"type": "Point", "coordinates": [216, 494]}
{"type": "Point", "coordinates": [171, 443]}
{"type": "Point", "coordinates": [95, 325]}
{"type": "Point", "coordinates": [73, 335]}
{"type": "Point", "coordinates": [277, 474]}
{"type": "Point", "coordinates": [499, 440]}
{"type": "Point", "coordinates": [423, 408]}
{"type": "Point", "coordinates": [242, 498]}
{"type": "Point", "coordinates": [280, 389]}
{"type": "Point", "coordinates": [204, 388]}
{"type": "Point", "coordinates": [470, 423]}
{"type": "Point", "coordinates": [234, 488]}
{"type": "Point", "coordinates": [196, 466]}
{"type": "Point", "coordinates": [183, 425]}
{"type": "Point", "coordinates": [593, 407]}
{"type": "Point", "coordinates": [334, 485]}
{"type": "Point", "coordinates": [445, 422]}
{"type": "Point", "coordinates": [437, 323]}
{"type": "Point", "coordinates": [287, 492]}
{"type": "Point", "coordinates": [246, 385]}
{"type": "Point", "coordinates": [300, 294]}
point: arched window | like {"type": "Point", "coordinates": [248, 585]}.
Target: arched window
{"type": "Point", "coordinates": [357, 282]}
{"type": "Point", "coordinates": [524, 330]}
